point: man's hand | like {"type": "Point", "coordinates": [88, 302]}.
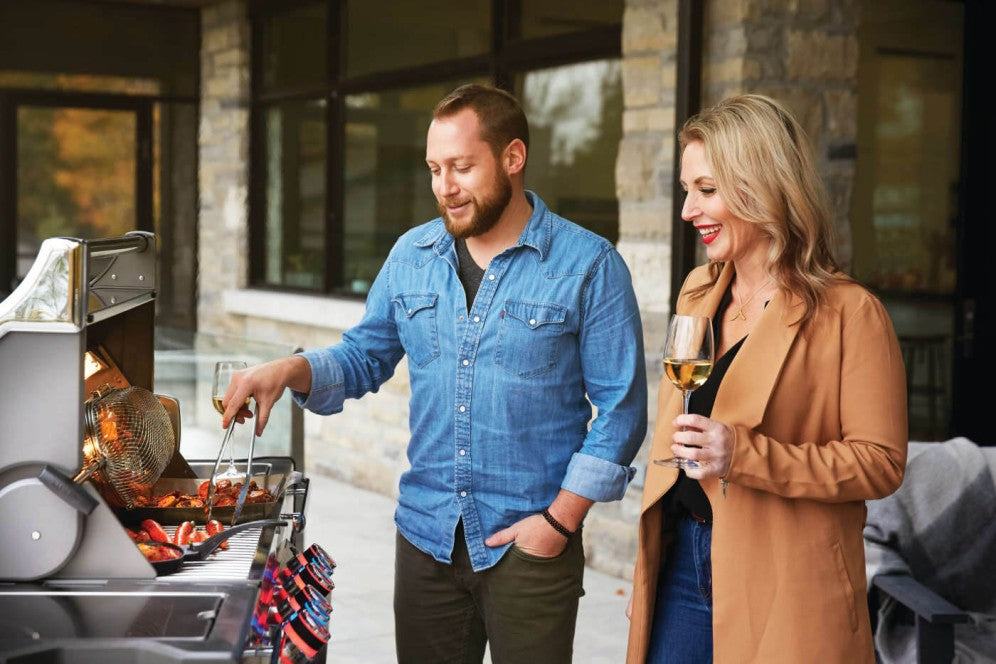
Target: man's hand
{"type": "Point", "coordinates": [537, 537]}
{"type": "Point", "coordinates": [533, 535]}
{"type": "Point", "coordinates": [266, 384]}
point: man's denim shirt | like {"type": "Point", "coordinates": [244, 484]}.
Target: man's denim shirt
{"type": "Point", "coordinates": [498, 414]}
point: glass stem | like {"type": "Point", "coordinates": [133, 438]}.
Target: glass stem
{"type": "Point", "coordinates": [686, 396]}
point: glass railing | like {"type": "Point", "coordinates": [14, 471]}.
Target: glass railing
{"type": "Point", "coordinates": [184, 369]}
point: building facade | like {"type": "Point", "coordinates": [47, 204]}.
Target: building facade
{"type": "Point", "coordinates": [288, 162]}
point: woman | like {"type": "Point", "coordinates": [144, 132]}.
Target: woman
{"type": "Point", "coordinates": [802, 419]}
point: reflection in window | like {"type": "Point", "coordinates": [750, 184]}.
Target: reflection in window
{"type": "Point", "coordinates": [417, 33]}
{"type": "Point", "coordinates": [75, 175]}
{"type": "Point", "coordinates": [80, 83]}
{"type": "Point", "coordinates": [575, 125]}
{"type": "Point", "coordinates": [295, 193]}
{"type": "Point", "coordinates": [915, 173]}
{"type": "Point", "coordinates": [387, 187]}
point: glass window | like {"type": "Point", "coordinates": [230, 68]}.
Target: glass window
{"type": "Point", "coordinates": [914, 170]}
{"type": "Point", "coordinates": [904, 203]}
{"type": "Point", "coordinates": [398, 59]}
{"type": "Point", "coordinates": [556, 17]}
{"type": "Point", "coordinates": [294, 136]}
{"type": "Point", "coordinates": [575, 125]}
{"type": "Point", "coordinates": [174, 201]}
{"type": "Point", "coordinates": [294, 49]}
{"type": "Point", "coordinates": [396, 34]}
{"type": "Point", "coordinates": [80, 83]}
{"type": "Point", "coordinates": [75, 175]}
{"type": "Point", "coordinates": [387, 188]}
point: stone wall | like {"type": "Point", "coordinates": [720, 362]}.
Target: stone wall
{"type": "Point", "coordinates": [804, 53]}
{"type": "Point", "coordinates": [224, 161]}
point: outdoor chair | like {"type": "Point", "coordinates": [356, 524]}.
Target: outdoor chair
{"type": "Point", "coordinates": [931, 558]}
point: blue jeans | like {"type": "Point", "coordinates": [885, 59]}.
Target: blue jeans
{"type": "Point", "coordinates": [682, 628]}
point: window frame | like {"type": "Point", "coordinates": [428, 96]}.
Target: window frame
{"type": "Point", "coordinates": [508, 55]}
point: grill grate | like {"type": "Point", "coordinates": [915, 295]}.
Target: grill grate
{"type": "Point", "coordinates": [231, 564]}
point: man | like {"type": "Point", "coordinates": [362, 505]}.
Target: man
{"type": "Point", "coordinates": [512, 318]}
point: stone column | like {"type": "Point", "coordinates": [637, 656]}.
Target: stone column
{"type": "Point", "coordinates": [644, 168]}
{"type": "Point", "coordinates": [644, 173]}
{"type": "Point", "coordinates": [224, 162]}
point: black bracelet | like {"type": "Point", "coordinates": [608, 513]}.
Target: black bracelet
{"type": "Point", "coordinates": [556, 525]}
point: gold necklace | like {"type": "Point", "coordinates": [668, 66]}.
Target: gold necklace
{"type": "Point", "coordinates": [743, 303]}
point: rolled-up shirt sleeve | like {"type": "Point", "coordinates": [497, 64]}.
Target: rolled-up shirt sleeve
{"type": "Point", "coordinates": [597, 479]}
{"type": "Point", "coordinates": [328, 391]}
{"type": "Point", "coordinates": [615, 377]}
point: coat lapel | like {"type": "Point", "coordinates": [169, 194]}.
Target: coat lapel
{"type": "Point", "coordinates": [743, 396]}
{"type": "Point", "coordinates": [659, 479]}
{"type": "Point", "coordinates": [746, 388]}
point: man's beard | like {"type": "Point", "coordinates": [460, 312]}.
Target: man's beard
{"type": "Point", "coordinates": [487, 210]}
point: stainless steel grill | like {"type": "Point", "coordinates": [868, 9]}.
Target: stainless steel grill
{"type": "Point", "coordinates": [73, 584]}
{"type": "Point", "coordinates": [231, 564]}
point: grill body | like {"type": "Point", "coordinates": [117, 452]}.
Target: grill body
{"type": "Point", "coordinates": [73, 585]}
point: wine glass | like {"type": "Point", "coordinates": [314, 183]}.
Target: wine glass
{"type": "Point", "coordinates": [688, 357]}
{"type": "Point", "coordinates": [219, 386]}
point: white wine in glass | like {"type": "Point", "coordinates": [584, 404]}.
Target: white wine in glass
{"type": "Point", "coordinates": [688, 357]}
{"type": "Point", "coordinates": [219, 386]}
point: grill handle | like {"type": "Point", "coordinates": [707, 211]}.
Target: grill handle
{"type": "Point", "coordinates": [134, 241]}
{"type": "Point", "coordinates": [297, 486]}
{"type": "Point", "coordinates": [69, 492]}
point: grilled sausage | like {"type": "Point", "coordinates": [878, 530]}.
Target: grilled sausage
{"type": "Point", "coordinates": [183, 533]}
{"type": "Point", "coordinates": [156, 532]}
{"type": "Point", "coordinates": [214, 527]}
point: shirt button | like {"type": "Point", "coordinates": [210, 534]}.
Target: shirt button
{"type": "Point", "coordinates": [463, 494]}
{"type": "Point", "coordinates": [409, 311]}
{"type": "Point", "coordinates": [463, 409]}
{"type": "Point", "coordinates": [463, 452]}
{"type": "Point", "coordinates": [532, 321]}
{"type": "Point", "coordinates": [466, 362]}
{"type": "Point", "coordinates": [491, 277]}
{"type": "Point", "coordinates": [477, 319]}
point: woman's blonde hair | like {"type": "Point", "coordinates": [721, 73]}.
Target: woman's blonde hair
{"type": "Point", "coordinates": [765, 172]}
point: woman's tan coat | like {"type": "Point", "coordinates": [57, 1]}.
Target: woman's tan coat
{"type": "Point", "coordinates": [820, 426]}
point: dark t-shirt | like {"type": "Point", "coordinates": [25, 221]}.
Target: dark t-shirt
{"type": "Point", "coordinates": [470, 273]}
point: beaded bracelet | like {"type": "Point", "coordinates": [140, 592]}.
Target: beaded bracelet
{"type": "Point", "coordinates": [556, 525]}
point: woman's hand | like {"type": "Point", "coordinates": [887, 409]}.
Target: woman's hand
{"type": "Point", "coordinates": [707, 441]}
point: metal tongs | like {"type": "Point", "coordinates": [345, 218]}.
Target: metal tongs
{"type": "Point", "coordinates": [240, 503]}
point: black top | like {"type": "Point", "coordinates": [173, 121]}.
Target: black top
{"type": "Point", "coordinates": [470, 273]}
{"type": "Point", "coordinates": [687, 494]}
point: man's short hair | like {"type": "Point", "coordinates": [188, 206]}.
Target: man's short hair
{"type": "Point", "coordinates": [499, 113]}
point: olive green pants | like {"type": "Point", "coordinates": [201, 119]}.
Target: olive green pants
{"type": "Point", "coordinates": [524, 608]}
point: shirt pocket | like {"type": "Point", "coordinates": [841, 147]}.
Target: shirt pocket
{"type": "Point", "coordinates": [527, 337]}
{"type": "Point", "coordinates": [416, 319]}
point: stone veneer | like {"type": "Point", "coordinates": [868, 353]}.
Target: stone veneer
{"type": "Point", "coordinates": [803, 52]}
{"type": "Point", "coordinates": [224, 162]}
